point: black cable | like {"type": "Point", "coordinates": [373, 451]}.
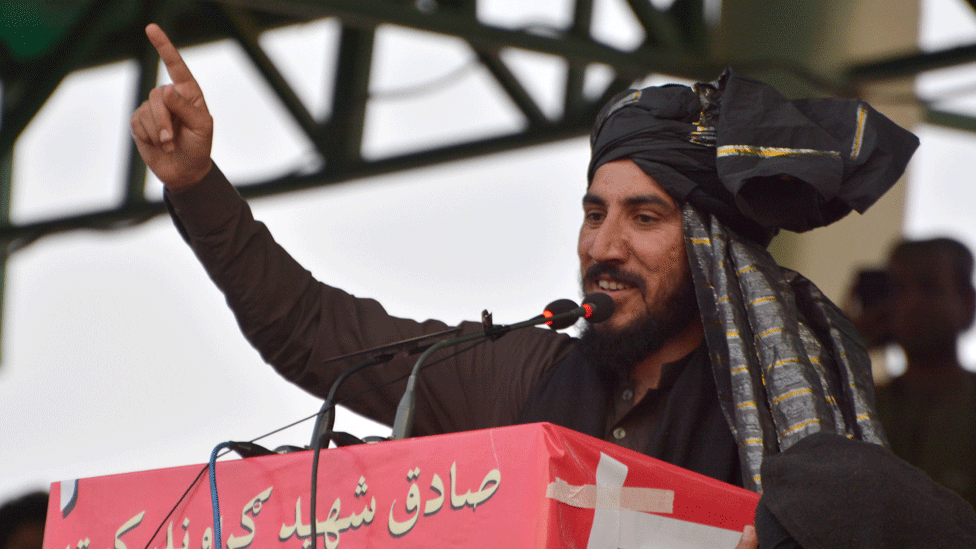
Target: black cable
{"type": "Point", "coordinates": [319, 434]}
{"type": "Point", "coordinates": [178, 502]}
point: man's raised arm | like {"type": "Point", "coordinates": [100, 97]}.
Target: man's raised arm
{"type": "Point", "coordinates": [173, 129]}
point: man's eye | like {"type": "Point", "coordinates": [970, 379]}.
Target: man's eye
{"type": "Point", "coordinates": [593, 216]}
{"type": "Point", "coordinates": [645, 218]}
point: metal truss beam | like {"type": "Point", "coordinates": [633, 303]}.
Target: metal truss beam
{"type": "Point", "coordinates": [672, 45]}
{"type": "Point", "coordinates": [911, 64]}
{"type": "Point", "coordinates": [950, 120]}
{"type": "Point", "coordinates": [105, 30]}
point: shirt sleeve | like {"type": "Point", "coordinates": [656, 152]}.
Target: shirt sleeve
{"type": "Point", "coordinates": [298, 324]}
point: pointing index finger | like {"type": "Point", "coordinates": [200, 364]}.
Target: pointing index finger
{"type": "Point", "coordinates": [177, 69]}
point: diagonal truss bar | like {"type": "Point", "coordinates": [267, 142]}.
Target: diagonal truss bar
{"type": "Point", "coordinates": [691, 13]}
{"type": "Point", "coordinates": [242, 27]}
{"type": "Point", "coordinates": [912, 63]}
{"type": "Point", "coordinates": [662, 29]}
{"type": "Point", "coordinates": [6, 178]}
{"type": "Point", "coordinates": [951, 120]}
{"type": "Point", "coordinates": [513, 88]}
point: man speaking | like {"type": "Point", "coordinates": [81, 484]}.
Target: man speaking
{"type": "Point", "coordinates": [714, 358]}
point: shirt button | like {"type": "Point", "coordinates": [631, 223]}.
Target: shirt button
{"type": "Point", "coordinates": [619, 433]}
{"type": "Point", "coordinates": [627, 394]}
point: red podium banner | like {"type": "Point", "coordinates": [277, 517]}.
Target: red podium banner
{"type": "Point", "coordinates": [532, 486]}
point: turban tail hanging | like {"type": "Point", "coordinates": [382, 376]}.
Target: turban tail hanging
{"type": "Point", "coordinates": [787, 362]}
{"type": "Point", "coordinates": [746, 162]}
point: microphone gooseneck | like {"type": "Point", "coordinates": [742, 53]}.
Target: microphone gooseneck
{"type": "Point", "coordinates": [559, 314]}
{"type": "Point", "coordinates": [322, 432]}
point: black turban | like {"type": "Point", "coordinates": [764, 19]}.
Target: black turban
{"type": "Point", "coordinates": [759, 162]}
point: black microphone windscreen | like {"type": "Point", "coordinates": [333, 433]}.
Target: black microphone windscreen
{"type": "Point", "coordinates": [559, 307]}
{"type": "Point", "coordinates": [600, 307]}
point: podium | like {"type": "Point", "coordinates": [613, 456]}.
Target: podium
{"type": "Point", "coordinates": [526, 486]}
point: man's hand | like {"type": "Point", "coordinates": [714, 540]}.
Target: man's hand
{"type": "Point", "coordinates": [173, 129]}
{"type": "Point", "coordinates": [748, 539]}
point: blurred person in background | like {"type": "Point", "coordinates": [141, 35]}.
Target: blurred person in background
{"type": "Point", "coordinates": [929, 412]}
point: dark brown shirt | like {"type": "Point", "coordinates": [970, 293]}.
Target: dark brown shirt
{"type": "Point", "coordinates": [630, 422]}
{"type": "Point", "coordinates": [298, 323]}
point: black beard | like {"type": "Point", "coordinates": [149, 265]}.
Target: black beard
{"type": "Point", "coordinates": [618, 352]}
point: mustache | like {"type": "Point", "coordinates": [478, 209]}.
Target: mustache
{"type": "Point", "coordinates": [612, 271]}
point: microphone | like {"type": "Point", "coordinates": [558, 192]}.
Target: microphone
{"type": "Point", "coordinates": [599, 307]}
{"type": "Point", "coordinates": [563, 313]}
{"type": "Point", "coordinates": [559, 314]}
{"type": "Point", "coordinates": [560, 307]}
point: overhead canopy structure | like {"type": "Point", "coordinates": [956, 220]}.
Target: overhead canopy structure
{"type": "Point", "coordinates": [51, 38]}
{"type": "Point", "coordinates": [44, 41]}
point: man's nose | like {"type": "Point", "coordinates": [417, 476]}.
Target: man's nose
{"type": "Point", "coordinates": [609, 243]}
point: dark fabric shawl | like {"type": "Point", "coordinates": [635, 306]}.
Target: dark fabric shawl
{"type": "Point", "coordinates": [830, 492]}
{"type": "Point", "coordinates": [787, 362]}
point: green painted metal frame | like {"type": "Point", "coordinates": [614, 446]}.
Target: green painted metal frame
{"type": "Point", "coordinates": [673, 45]}
{"type": "Point", "coordinates": [102, 31]}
